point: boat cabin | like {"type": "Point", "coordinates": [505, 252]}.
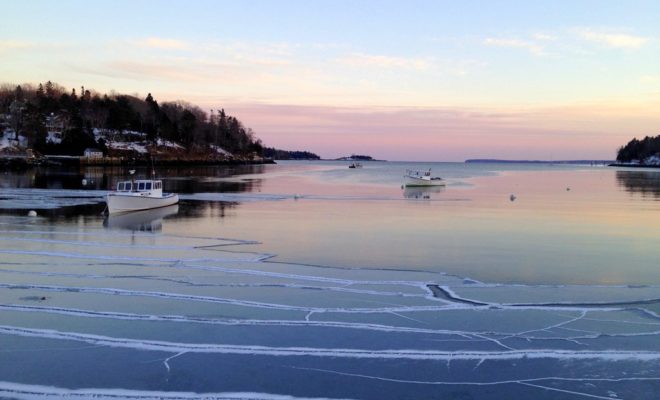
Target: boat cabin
{"type": "Point", "coordinates": [420, 174]}
{"type": "Point", "coordinates": [153, 187]}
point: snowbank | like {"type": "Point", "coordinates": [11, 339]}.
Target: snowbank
{"type": "Point", "coordinates": [167, 143]}
{"type": "Point", "coordinates": [653, 160]}
{"type": "Point", "coordinates": [138, 147]}
{"type": "Point", "coordinates": [221, 151]}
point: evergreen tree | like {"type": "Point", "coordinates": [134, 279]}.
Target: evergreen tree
{"type": "Point", "coordinates": [75, 141]}
{"type": "Point", "coordinates": [34, 128]}
{"type": "Point", "coordinates": [18, 93]}
{"type": "Point", "coordinates": [223, 129]}
{"type": "Point", "coordinates": [187, 127]}
{"type": "Point", "coordinates": [50, 89]}
{"type": "Point", "coordinates": [151, 121]}
{"type": "Point", "coordinates": [40, 91]}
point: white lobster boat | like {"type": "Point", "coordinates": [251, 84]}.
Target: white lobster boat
{"type": "Point", "coordinates": [141, 194]}
{"type": "Point", "coordinates": [421, 178]}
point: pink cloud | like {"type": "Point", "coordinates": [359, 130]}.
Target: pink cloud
{"type": "Point", "coordinates": [442, 134]}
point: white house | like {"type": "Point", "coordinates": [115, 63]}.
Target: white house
{"type": "Point", "coordinates": [93, 153]}
{"type": "Point", "coordinates": [57, 122]}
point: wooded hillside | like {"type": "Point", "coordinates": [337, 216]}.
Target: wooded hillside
{"type": "Point", "coordinates": [56, 120]}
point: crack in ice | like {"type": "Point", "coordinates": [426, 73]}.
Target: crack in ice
{"type": "Point", "coordinates": [206, 348]}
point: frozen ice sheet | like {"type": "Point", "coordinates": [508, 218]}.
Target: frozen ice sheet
{"type": "Point", "coordinates": [194, 317]}
{"type": "Point", "coordinates": [364, 378]}
{"type": "Point", "coordinates": [29, 199]}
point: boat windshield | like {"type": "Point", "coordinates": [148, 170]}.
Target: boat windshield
{"type": "Point", "coordinates": [124, 186]}
{"type": "Point", "coordinates": [139, 186]}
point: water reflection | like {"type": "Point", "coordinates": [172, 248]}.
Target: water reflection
{"type": "Point", "coordinates": [204, 178]}
{"type": "Point", "coordinates": [142, 221]}
{"type": "Point", "coordinates": [204, 209]}
{"type": "Point", "coordinates": [422, 193]}
{"type": "Point", "coordinates": [175, 179]}
{"type": "Point", "coordinates": [645, 182]}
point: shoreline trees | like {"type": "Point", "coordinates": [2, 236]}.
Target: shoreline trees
{"type": "Point", "coordinates": [642, 151]}
{"type": "Point", "coordinates": [46, 107]}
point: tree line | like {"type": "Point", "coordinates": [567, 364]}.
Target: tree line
{"type": "Point", "coordinates": [639, 150]}
{"type": "Point", "coordinates": [277, 154]}
{"type": "Point", "coordinates": [32, 106]}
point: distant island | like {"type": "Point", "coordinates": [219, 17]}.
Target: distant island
{"type": "Point", "coordinates": [356, 157]}
{"type": "Point", "coordinates": [48, 122]}
{"type": "Point", "coordinates": [588, 162]}
{"type": "Point", "coordinates": [640, 153]}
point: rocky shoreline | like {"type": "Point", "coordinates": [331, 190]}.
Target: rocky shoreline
{"type": "Point", "coordinates": [25, 162]}
{"type": "Point", "coordinates": [634, 165]}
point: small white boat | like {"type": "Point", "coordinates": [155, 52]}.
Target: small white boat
{"type": "Point", "coordinates": [421, 178]}
{"type": "Point", "coordinates": [141, 194]}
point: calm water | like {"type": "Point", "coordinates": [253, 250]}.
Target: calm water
{"type": "Point", "coordinates": [312, 280]}
{"type": "Point", "coordinates": [568, 224]}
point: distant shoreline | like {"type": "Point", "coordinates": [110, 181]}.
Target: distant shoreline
{"type": "Point", "coordinates": [581, 162]}
{"type": "Point", "coordinates": [633, 165]}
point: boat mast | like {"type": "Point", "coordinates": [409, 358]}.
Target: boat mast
{"type": "Point", "coordinates": [153, 167]}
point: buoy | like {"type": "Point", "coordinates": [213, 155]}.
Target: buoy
{"type": "Point", "coordinates": [32, 213]}
{"type": "Point", "coordinates": [512, 197]}
{"type": "Point", "coordinates": [84, 182]}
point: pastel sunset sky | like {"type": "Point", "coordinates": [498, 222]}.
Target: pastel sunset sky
{"type": "Point", "coordinates": [399, 80]}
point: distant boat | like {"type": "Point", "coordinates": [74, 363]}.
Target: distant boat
{"type": "Point", "coordinates": [355, 165]}
{"type": "Point", "coordinates": [421, 178]}
{"type": "Point", "coordinates": [137, 195]}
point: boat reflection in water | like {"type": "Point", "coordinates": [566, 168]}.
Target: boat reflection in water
{"type": "Point", "coordinates": [142, 221]}
{"type": "Point", "coordinates": [422, 192]}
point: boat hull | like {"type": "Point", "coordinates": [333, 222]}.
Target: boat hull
{"type": "Point", "coordinates": [118, 203]}
{"type": "Point", "coordinates": [143, 220]}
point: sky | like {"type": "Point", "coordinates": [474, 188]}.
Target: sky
{"type": "Point", "coordinates": [398, 80]}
